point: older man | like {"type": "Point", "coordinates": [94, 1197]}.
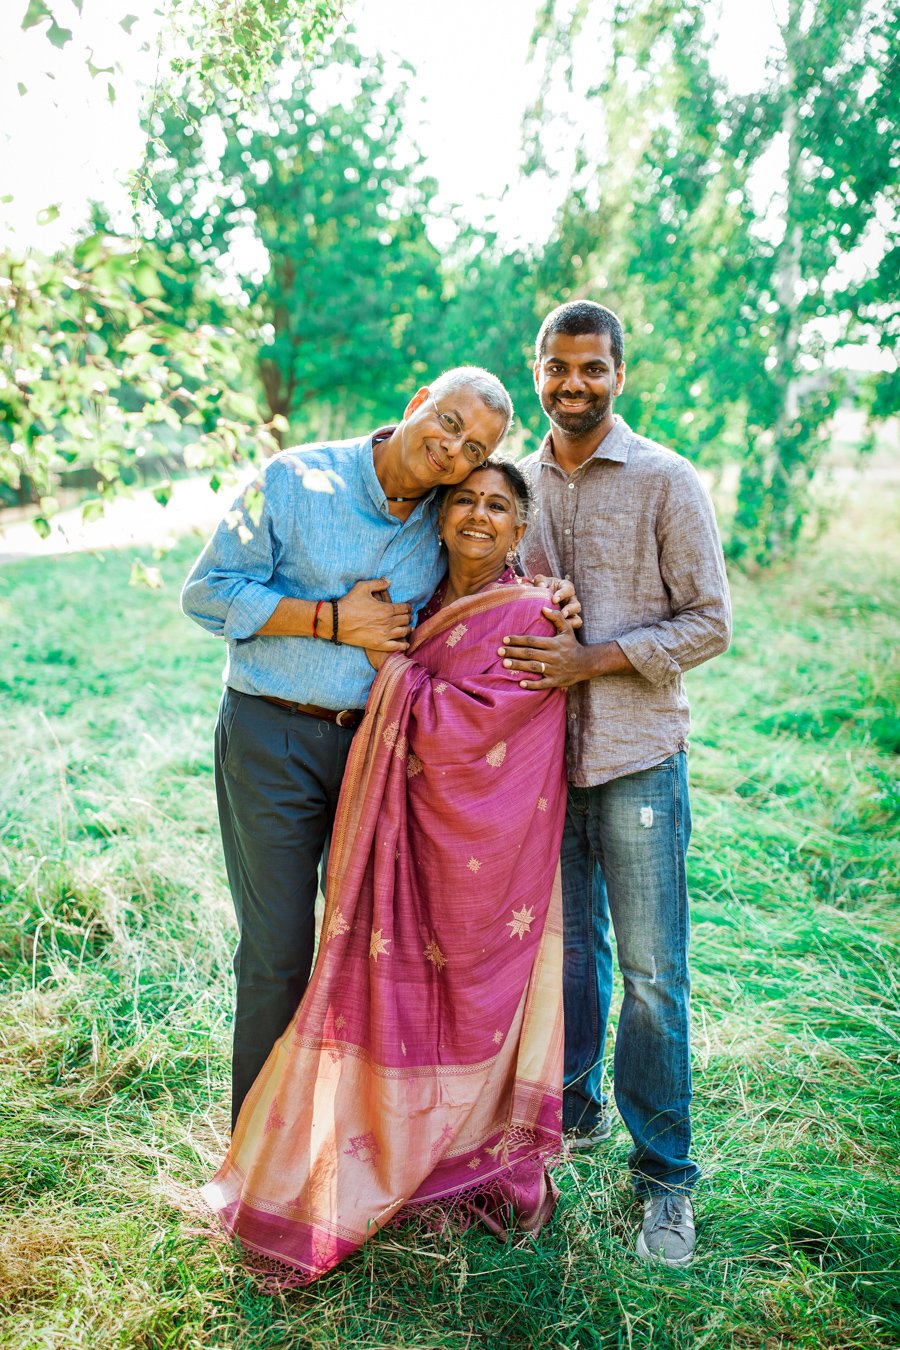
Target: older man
{"type": "Point", "coordinates": [285, 580]}
{"type": "Point", "coordinates": [632, 525]}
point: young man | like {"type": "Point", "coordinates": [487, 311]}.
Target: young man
{"type": "Point", "coordinates": [280, 581]}
{"type": "Point", "coordinates": [633, 527]}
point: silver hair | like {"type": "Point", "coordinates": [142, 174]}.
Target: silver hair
{"type": "Point", "coordinates": [483, 384]}
{"type": "Point", "coordinates": [515, 478]}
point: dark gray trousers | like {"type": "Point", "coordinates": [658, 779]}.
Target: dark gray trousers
{"type": "Point", "coordinates": [278, 775]}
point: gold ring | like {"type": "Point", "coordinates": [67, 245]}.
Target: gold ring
{"type": "Point", "coordinates": [543, 669]}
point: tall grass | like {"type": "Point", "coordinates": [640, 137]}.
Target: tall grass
{"type": "Point", "coordinates": [115, 941]}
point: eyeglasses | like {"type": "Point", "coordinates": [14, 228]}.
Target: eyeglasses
{"type": "Point", "coordinates": [473, 453]}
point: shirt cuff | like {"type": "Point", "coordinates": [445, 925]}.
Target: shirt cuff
{"type": "Point", "coordinates": [249, 610]}
{"type": "Point", "coordinates": [648, 657]}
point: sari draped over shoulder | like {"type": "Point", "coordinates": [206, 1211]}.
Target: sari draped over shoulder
{"type": "Point", "coordinates": [425, 1061]}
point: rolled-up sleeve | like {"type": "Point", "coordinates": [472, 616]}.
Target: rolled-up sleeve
{"type": "Point", "coordinates": [693, 571]}
{"type": "Point", "coordinates": [229, 591]}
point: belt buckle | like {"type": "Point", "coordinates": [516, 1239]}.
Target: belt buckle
{"type": "Point", "coordinates": [345, 712]}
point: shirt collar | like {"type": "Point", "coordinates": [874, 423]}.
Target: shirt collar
{"type": "Point", "coordinates": [372, 482]}
{"type": "Point", "coordinates": [614, 445]}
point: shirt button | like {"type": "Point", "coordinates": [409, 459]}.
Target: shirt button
{"type": "Point", "coordinates": [571, 485]}
{"type": "Point", "coordinates": [567, 532]}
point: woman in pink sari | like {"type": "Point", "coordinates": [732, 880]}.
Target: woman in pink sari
{"type": "Point", "coordinates": [424, 1063]}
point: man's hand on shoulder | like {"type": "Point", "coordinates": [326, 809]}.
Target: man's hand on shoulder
{"type": "Point", "coordinates": [560, 661]}
{"type": "Point", "coordinates": [563, 593]}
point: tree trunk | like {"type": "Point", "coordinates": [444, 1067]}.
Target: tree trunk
{"type": "Point", "coordinates": [787, 452]}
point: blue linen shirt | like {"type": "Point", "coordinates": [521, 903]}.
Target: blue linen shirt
{"type": "Point", "coordinates": [310, 544]}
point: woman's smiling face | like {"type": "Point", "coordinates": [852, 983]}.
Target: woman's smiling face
{"type": "Point", "coordinates": [479, 519]}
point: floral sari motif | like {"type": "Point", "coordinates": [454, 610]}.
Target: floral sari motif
{"type": "Point", "coordinates": [425, 1061]}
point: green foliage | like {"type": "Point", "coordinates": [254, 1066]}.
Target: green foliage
{"type": "Point", "coordinates": [352, 306]}
{"type": "Point", "coordinates": [36, 13]}
{"type": "Point", "coordinates": [728, 305]}
{"type": "Point", "coordinates": [492, 309]}
{"type": "Point", "coordinates": [115, 947]}
{"type": "Point", "coordinates": [874, 299]}
{"type": "Point", "coordinates": [239, 48]}
{"type": "Point", "coordinates": [774, 493]}
{"type": "Point", "coordinates": [831, 98]}
{"type": "Point", "coordinates": [292, 270]}
{"type": "Point", "coordinates": [205, 46]}
{"type": "Point", "coordinates": [96, 370]}
{"type": "Point", "coordinates": [333, 199]}
{"type": "Point", "coordinates": [661, 231]}
{"type": "Point", "coordinates": [114, 358]}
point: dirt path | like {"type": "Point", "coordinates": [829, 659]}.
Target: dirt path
{"type": "Point", "coordinates": [133, 521]}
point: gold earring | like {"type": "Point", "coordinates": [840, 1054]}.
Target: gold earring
{"type": "Point", "coordinates": [510, 556]}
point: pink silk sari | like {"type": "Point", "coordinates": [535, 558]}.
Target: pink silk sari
{"type": "Point", "coordinates": [425, 1061]}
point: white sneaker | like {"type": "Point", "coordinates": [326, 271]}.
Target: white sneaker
{"type": "Point", "coordinates": [578, 1140]}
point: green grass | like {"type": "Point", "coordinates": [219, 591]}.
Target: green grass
{"type": "Point", "coordinates": [115, 940]}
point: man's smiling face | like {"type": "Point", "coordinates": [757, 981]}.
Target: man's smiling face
{"type": "Point", "coordinates": [577, 381]}
{"type": "Point", "coordinates": [430, 455]}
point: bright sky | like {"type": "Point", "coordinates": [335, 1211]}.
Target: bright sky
{"type": "Point", "coordinates": [63, 141]}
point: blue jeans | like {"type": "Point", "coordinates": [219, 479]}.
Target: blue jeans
{"type": "Point", "coordinates": [623, 856]}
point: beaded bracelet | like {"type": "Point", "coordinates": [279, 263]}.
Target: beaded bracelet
{"type": "Point", "coordinates": [334, 622]}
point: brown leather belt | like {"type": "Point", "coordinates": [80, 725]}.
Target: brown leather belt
{"type": "Point", "coordinates": [347, 717]}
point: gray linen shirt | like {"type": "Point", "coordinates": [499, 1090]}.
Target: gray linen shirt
{"type": "Point", "coordinates": [634, 529]}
